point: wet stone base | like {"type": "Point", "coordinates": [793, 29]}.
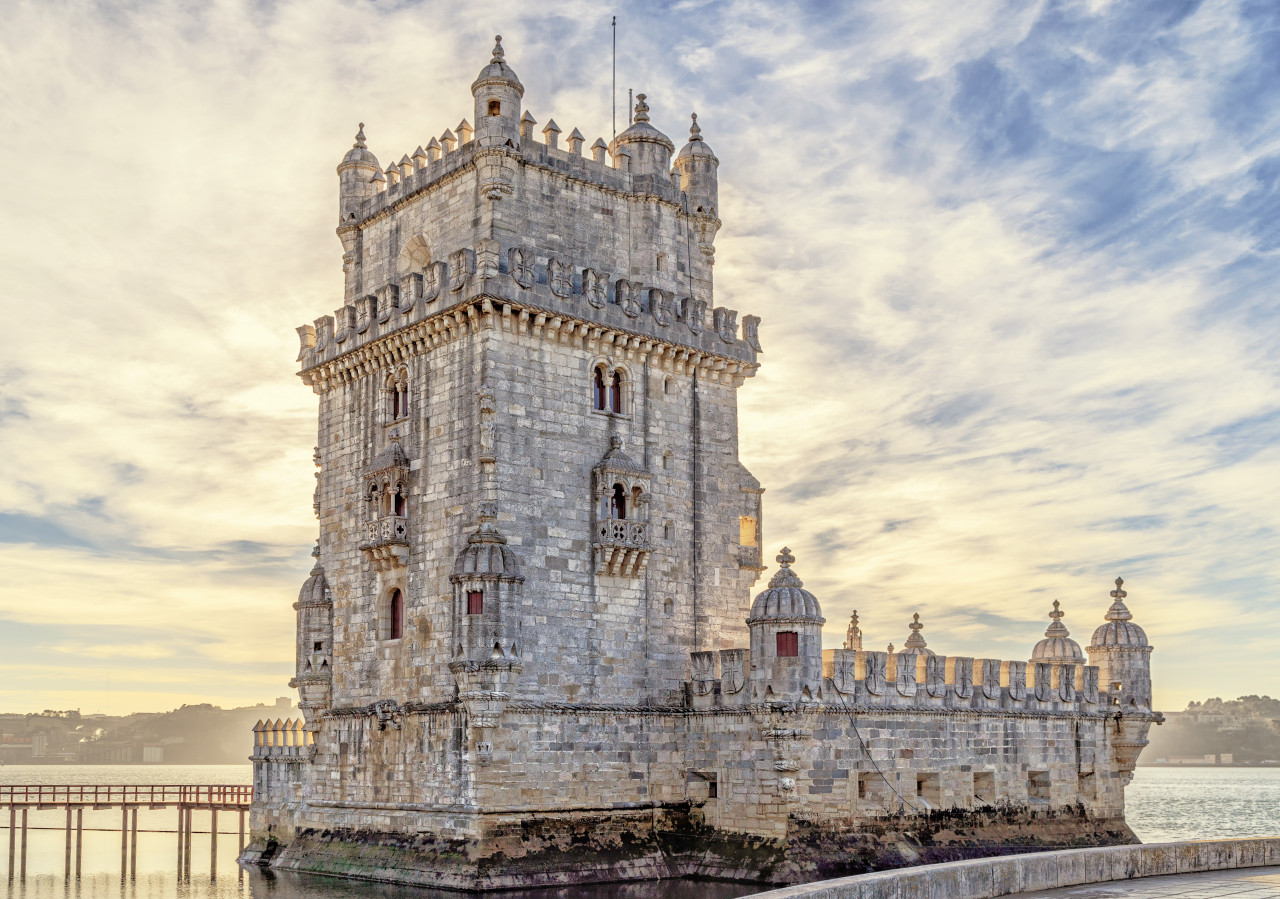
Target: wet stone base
{"type": "Point", "coordinates": [557, 850]}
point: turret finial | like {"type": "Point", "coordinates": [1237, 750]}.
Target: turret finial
{"type": "Point", "coordinates": [785, 558]}
{"type": "Point", "coordinates": [642, 109]}
{"type": "Point", "coordinates": [1057, 628]}
{"type": "Point", "coordinates": [853, 636]}
{"type": "Point", "coordinates": [1119, 611]}
{"type": "Point", "coordinates": [360, 144]}
{"type": "Point", "coordinates": [498, 52]}
{"type": "Point", "coordinates": [1119, 593]}
{"type": "Point", "coordinates": [695, 133]}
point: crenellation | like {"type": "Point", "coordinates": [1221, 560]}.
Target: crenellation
{"type": "Point", "coordinates": [530, 619]}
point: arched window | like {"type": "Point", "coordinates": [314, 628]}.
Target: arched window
{"type": "Point", "coordinates": [615, 392]}
{"type": "Point", "coordinates": [398, 507]}
{"type": "Point", "coordinates": [635, 500]}
{"type": "Point", "coordinates": [788, 644]}
{"type": "Point", "coordinates": [397, 394]}
{"type": "Point", "coordinates": [395, 622]}
{"type": "Point", "coordinates": [600, 394]}
{"type": "Point", "coordinates": [395, 403]}
{"type": "Point", "coordinates": [618, 502]}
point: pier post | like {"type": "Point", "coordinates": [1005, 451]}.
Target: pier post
{"type": "Point", "coordinates": [124, 840]}
{"type": "Point", "coordinates": [240, 848]}
{"type": "Point", "coordinates": [180, 811]}
{"type": "Point", "coordinates": [66, 866]}
{"type": "Point", "coordinates": [23, 869]}
{"type": "Point", "coordinates": [213, 842]}
{"type": "Point", "coordinates": [13, 836]}
{"type": "Point", "coordinates": [186, 846]}
{"type": "Point", "coordinates": [79, 837]}
{"type": "Point", "coordinates": [133, 848]}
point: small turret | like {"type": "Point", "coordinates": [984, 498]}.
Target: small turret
{"type": "Point", "coordinates": [786, 638]}
{"type": "Point", "coordinates": [1120, 650]}
{"type": "Point", "coordinates": [1057, 645]}
{"type": "Point", "coordinates": [649, 149]}
{"type": "Point", "coordinates": [699, 180]}
{"type": "Point", "coordinates": [853, 635]}
{"type": "Point", "coordinates": [497, 93]}
{"type": "Point", "coordinates": [314, 677]}
{"type": "Point", "coordinates": [355, 174]}
{"type": "Point", "coordinates": [916, 644]}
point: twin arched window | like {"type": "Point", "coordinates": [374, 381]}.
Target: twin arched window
{"type": "Point", "coordinates": [388, 500]}
{"type": "Point", "coordinates": [606, 390]}
{"type": "Point", "coordinates": [616, 503]}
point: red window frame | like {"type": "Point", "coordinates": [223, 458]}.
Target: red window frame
{"type": "Point", "coordinates": [475, 602]}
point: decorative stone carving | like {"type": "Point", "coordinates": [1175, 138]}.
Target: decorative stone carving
{"type": "Point", "coordinates": [906, 674]}
{"type": "Point", "coordinates": [751, 332]}
{"type": "Point", "coordinates": [991, 678]}
{"type": "Point", "coordinates": [1091, 684]}
{"type": "Point", "coordinates": [560, 278]}
{"type": "Point", "coordinates": [726, 323]}
{"type": "Point", "coordinates": [365, 312]}
{"type": "Point", "coordinates": [1044, 682]}
{"type": "Point", "coordinates": [388, 712]}
{"type": "Point", "coordinates": [388, 300]}
{"type": "Point", "coordinates": [733, 670]}
{"type": "Point", "coordinates": [1067, 683]}
{"type": "Point", "coordinates": [703, 665]}
{"type": "Point", "coordinates": [627, 294]}
{"type": "Point", "coordinates": [488, 256]}
{"type": "Point", "coordinates": [696, 315]}
{"type": "Point", "coordinates": [345, 323]}
{"type": "Point", "coordinates": [661, 304]}
{"type": "Point", "coordinates": [488, 430]}
{"type": "Point", "coordinates": [1017, 677]}
{"type": "Point", "coordinates": [935, 668]}
{"type": "Point", "coordinates": [306, 340]}
{"type": "Point", "coordinates": [853, 633]}
{"type": "Point", "coordinates": [434, 278]}
{"type": "Point", "coordinates": [462, 265]}
{"type": "Point", "coordinates": [962, 679]}
{"type": "Point", "coordinates": [595, 288]}
{"type": "Point", "coordinates": [620, 544]}
{"type": "Point", "coordinates": [520, 266]}
{"type": "Point", "coordinates": [875, 672]}
{"type": "Point", "coordinates": [410, 291]}
{"type": "Point", "coordinates": [844, 670]}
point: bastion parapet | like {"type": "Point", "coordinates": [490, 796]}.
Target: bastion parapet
{"type": "Point", "coordinates": [527, 652]}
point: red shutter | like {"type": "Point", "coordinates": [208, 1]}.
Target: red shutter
{"type": "Point", "coordinates": [788, 644]}
{"type": "Point", "coordinates": [475, 603]}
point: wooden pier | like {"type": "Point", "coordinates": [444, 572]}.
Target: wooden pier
{"type": "Point", "coordinates": [76, 798]}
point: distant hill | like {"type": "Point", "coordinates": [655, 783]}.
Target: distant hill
{"type": "Point", "coordinates": [1238, 731]}
{"type": "Point", "coordinates": [201, 734]}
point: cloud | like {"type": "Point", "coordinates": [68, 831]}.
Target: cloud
{"type": "Point", "coordinates": [1016, 266]}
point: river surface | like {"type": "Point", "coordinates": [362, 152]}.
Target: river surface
{"type": "Point", "coordinates": [1164, 804]}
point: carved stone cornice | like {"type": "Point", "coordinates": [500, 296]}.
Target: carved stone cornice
{"type": "Point", "coordinates": [521, 319]}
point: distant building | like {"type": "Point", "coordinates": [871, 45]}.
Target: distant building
{"type": "Point", "coordinates": [527, 652]}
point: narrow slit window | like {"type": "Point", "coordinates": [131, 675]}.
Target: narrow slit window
{"type": "Point", "coordinates": [615, 392]}
{"type": "Point", "coordinates": [600, 393]}
{"type": "Point", "coordinates": [396, 612]}
{"type": "Point", "coordinates": [475, 602]}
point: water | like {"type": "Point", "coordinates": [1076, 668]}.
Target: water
{"type": "Point", "coordinates": [1164, 804]}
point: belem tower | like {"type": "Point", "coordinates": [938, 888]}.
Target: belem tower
{"type": "Point", "coordinates": [528, 651]}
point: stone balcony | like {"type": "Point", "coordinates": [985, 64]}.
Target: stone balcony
{"type": "Point", "coordinates": [621, 547]}
{"type": "Point", "coordinates": [386, 542]}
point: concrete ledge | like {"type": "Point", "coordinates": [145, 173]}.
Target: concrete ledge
{"type": "Point", "coordinates": [984, 878]}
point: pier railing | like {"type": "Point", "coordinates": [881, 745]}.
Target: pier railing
{"type": "Point", "coordinates": [222, 796]}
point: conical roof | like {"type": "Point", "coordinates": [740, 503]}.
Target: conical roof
{"type": "Point", "coordinates": [360, 154]}
{"type": "Point", "coordinates": [315, 589]}
{"type": "Point", "coordinates": [785, 598]}
{"type": "Point", "coordinates": [640, 131]}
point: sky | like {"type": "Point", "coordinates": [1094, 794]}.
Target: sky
{"type": "Point", "coordinates": [1016, 261]}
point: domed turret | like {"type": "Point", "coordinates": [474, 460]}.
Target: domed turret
{"type": "Point", "coordinates": [1057, 645]}
{"type": "Point", "coordinates": [497, 92]}
{"type": "Point", "coordinates": [786, 638]}
{"type": "Point", "coordinates": [1120, 650]}
{"type": "Point", "coordinates": [355, 174]}
{"type": "Point", "coordinates": [487, 585]}
{"type": "Point", "coordinates": [916, 644]}
{"type": "Point", "coordinates": [315, 643]}
{"type": "Point", "coordinates": [698, 169]}
{"type": "Point", "coordinates": [649, 149]}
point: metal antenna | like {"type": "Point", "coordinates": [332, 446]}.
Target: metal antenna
{"type": "Point", "coordinates": [614, 24]}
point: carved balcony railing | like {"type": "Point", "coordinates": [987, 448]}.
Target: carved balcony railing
{"type": "Point", "coordinates": [621, 547]}
{"type": "Point", "coordinates": [387, 542]}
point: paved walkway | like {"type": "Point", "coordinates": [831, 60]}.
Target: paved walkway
{"type": "Point", "coordinates": [1247, 883]}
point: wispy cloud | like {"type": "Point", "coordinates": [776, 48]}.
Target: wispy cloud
{"type": "Point", "coordinates": [1016, 264]}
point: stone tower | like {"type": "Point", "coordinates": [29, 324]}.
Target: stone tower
{"type": "Point", "coordinates": [528, 420]}
{"type": "Point", "coordinates": [527, 653]}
